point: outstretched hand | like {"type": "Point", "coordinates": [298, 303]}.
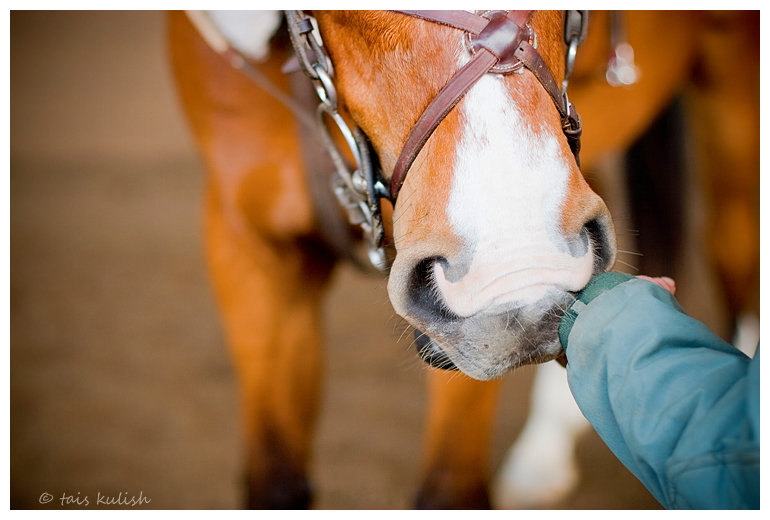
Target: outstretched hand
{"type": "Point", "coordinates": [663, 281]}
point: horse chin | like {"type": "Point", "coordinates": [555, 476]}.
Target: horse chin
{"type": "Point", "coordinates": [486, 346]}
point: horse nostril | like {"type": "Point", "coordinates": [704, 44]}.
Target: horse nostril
{"type": "Point", "coordinates": [599, 235]}
{"type": "Point", "coordinates": [426, 303]}
{"type": "Point", "coordinates": [424, 298]}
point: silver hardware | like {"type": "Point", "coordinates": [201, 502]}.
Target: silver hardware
{"type": "Point", "coordinates": [324, 87]}
{"type": "Point", "coordinates": [575, 28]}
{"type": "Point", "coordinates": [570, 62]}
{"type": "Point", "coordinates": [357, 189]}
{"type": "Point", "coordinates": [347, 133]}
{"type": "Point", "coordinates": [359, 183]}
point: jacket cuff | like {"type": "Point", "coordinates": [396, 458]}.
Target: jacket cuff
{"type": "Point", "coordinates": [596, 286]}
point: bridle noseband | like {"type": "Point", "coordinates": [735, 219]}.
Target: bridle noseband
{"type": "Point", "coordinates": [500, 42]}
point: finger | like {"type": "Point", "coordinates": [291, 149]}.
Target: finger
{"type": "Point", "coordinates": [662, 281]}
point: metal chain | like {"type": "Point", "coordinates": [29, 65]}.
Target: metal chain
{"type": "Point", "coordinates": [358, 189]}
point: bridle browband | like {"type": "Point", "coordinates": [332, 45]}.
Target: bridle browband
{"type": "Point", "coordinates": [500, 42]}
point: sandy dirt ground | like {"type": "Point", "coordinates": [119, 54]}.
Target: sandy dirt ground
{"type": "Point", "coordinates": [120, 378]}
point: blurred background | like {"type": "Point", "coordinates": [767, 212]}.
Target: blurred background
{"type": "Point", "coordinates": [120, 379]}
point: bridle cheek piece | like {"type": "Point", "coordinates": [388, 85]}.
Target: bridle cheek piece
{"type": "Point", "coordinates": [500, 42]}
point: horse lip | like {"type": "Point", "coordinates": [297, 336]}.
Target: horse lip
{"type": "Point", "coordinates": [431, 353]}
{"type": "Point", "coordinates": [484, 357]}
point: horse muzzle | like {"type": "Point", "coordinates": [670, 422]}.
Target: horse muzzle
{"type": "Point", "coordinates": [431, 353]}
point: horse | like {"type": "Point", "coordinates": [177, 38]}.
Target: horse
{"type": "Point", "coordinates": [488, 226]}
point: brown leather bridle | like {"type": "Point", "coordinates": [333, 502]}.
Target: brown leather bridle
{"type": "Point", "coordinates": [500, 42]}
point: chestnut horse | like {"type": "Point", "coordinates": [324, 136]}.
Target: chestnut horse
{"type": "Point", "coordinates": [492, 230]}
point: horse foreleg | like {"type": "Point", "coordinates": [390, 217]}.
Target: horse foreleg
{"type": "Point", "coordinates": [456, 446]}
{"type": "Point", "coordinates": [270, 302]}
{"type": "Point", "coordinates": [268, 278]}
{"type": "Point", "coordinates": [540, 468]}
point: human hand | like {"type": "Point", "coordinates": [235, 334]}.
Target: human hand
{"type": "Point", "coordinates": [663, 281]}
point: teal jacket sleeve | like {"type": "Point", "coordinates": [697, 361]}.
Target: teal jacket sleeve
{"type": "Point", "coordinates": [677, 405]}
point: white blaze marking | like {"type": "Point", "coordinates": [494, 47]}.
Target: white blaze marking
{"type": "Point", "coordinates": [508, 184]}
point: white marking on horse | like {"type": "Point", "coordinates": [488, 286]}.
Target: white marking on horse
{"type": "Point", "coordinates": [509, 182]}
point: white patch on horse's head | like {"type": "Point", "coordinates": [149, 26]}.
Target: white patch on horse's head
{"type": "Point", "coordinates": [488, 260]}
{"type": "Point", "coordinates": [507, 187]}
{"type": "Point", "coordinates": [248, 31]}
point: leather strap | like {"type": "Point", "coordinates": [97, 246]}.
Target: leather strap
{"type": "Point", "coordinates": [534, 62]}
{"type": "Point", "coordinates": [499, 43]}
{"type": "Point", "coordinates": [463, 20]}
{"type": "Point", "coordinates": [441, 105]}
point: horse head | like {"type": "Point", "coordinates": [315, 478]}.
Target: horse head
{"type": "Point", "coordinates": [494, 226]}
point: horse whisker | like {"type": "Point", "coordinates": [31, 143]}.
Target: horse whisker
{"type": "Point", "coordinates": [630, 266]}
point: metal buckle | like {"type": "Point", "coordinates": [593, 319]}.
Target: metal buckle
{"type": "Point", "coordinates": [512, 64]}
